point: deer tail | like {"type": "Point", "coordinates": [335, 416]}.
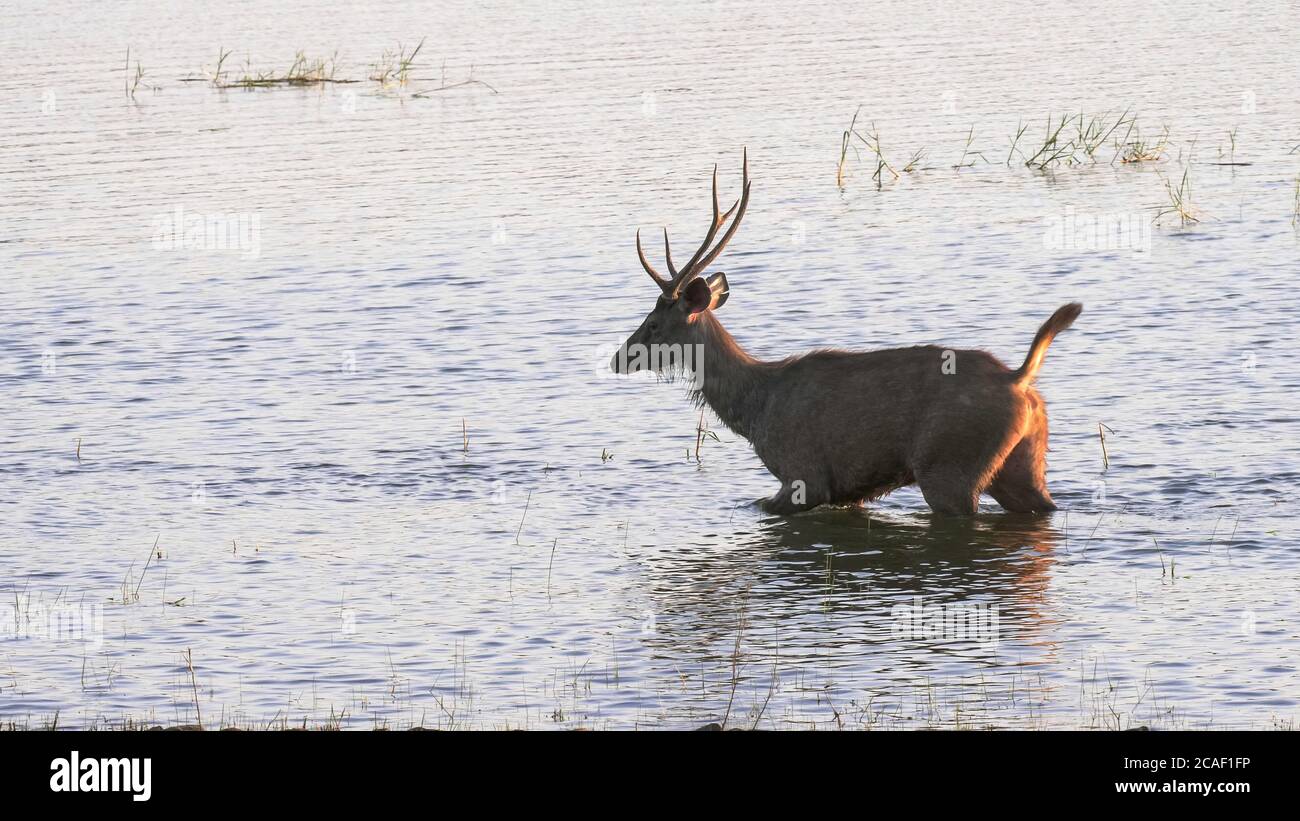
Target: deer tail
{"type": "Point", "coordinates": [1059, 321]}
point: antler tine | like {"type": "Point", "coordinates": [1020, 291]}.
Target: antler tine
{"type": "Point", "coordinates": [668, 255]}
{"type": "Point", "coordinates": [649, 269]}
{"type": "Point", "coordinates": [718, 220]}
{"type": "Point", "coordinates": [731, 229]}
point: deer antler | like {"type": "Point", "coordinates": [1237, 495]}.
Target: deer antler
{"type": "Point", "coordinates": [701, 260]}
{"type": "Point", "coordinates": [649, 269]}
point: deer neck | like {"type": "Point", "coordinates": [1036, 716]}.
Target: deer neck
{"type": "Point", "coordinates": [733, 381]}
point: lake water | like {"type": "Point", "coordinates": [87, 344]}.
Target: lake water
{"type": "Point", "coordinates": [365, 416]}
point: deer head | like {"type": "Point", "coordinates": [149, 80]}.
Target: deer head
{"type": "Point", "coordinates": [685, 295]}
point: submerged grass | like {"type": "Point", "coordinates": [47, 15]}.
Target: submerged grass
{"type": "Point", "coordinates": [1015, 140]}
{"type": "Point", "coordinates": [871, 141]}
{"type": "Point", "coordinates": [1180, 202]}
{"type": "Point", "coordinates": [966, 152]}
{"type": "Point", "coordinates": [303, 71]}
{"type": "Point", "coordinates": [393, 70]}
{"type": "Point", "coordinates": [133, 81]}
{"type": "Point", "coordinates": [1068, 140]}
{"type": "Point", "coordinates": [395, 67]}
{"type": "Point", "coordinates": [1053, 149]}
{"type": "Point", "coordinates": [1082, 144]}
{"type": "Point", "coordinates": [1135, 148]}
{"type": "Point", "coordinates": [917, 156]}
{"type": "Point", "coordinates": [845, 144]}
{"type": "Point", "coordinates": [1071, 139]}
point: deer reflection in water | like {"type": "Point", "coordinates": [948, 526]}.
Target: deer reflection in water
{"type": "Point", "coordinates": [830, 583]}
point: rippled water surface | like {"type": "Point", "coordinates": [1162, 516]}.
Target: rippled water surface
{"type": "Point", "coordinates": [369, 469]}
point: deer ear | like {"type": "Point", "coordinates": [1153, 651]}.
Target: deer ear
{"type": "Point", "coordinates": [719, 290]}
{"type": "Point", "coordinates": [704, 294]}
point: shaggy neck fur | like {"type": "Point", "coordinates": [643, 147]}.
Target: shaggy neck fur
{"type": "Point", "coordinates": [732, 377]}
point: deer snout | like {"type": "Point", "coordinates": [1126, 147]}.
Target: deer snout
{"type": "Point", "coordinates": [620, 361]}
{"type": "Point", "coordinates": [630, 358]}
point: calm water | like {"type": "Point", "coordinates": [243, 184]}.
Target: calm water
{"type": "Point", "coordinates": [283, 415]}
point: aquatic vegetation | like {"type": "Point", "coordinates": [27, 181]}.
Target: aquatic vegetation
{"type": "Point", "coordinates": [304, 71]}
{"type": "Point", "coordinates": [1015, 140]}
{"type": "Point", "coordinates": [917, 156]}
{"type": "Point", "coordinates": [133, 80]}
{"type": "Point", "coordinates": [443, 85]}
{"type": "Point", "coordinates": [1052, 150]}
{"type": "Point", "coordinates": [966, 152]}
{"type": "Point", "coordinates": [1295, 215]}
{"type": "Point", "coordinates": [871, 141]}
{"type": "Point", "coordinates": [1097, 131]}
{"type": "Point", "coordinates": [1089, 135]}
{"type": "Point", "coordinates": [395, 67]}
{"type": "Point", "coordinates": [1134, 148]}
{"type": "Point", "coordinates": [1070, 140]}
{"type": "Point", "coordinates": [1179, 202]}
{"type": "Point", "coordinates": [392, 69]}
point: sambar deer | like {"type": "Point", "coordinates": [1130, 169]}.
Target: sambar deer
{"type": "Point", "coordinates": [843, 427]}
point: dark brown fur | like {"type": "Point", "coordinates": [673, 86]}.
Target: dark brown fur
{"type": "Point", "coordinates": [840, 427]}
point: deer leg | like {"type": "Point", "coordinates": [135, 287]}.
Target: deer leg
{"type": "Point", "coordinates": [794, 497]}
{"type": "Point", "coordinates": [1020, 485]}
{"type": "Point", "coordinates": [950, 493]}
{"type": "Point", "coordinates": [953, 486]}
{"type": "Point", "coordinates": [954, 466]}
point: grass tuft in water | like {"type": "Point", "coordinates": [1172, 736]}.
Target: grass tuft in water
{"type": "Point", "coordinates": [394, 68]}
{"type": "Point", "coordinates": [1053, 149]}
{"type": "Point", "coordinates": [303, 71]}
{"type": "Point", "coordinates": [1180, 202]}
{"type": "Point", "coordinates": [1135, 148]}
{"type": "Point", "coordinates": [966, 152]}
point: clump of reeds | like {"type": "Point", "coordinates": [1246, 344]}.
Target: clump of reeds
{"type": "Point", "coordinates": [917, 156]}
{"type": "Point", "coordinates": [1180, 204]}
{"type": "Point", "coordinates": [1053, 149]}
{"type": "Point", "coordinates": [871, 141]}
{"type": "Point", "coordinates": [1136, 148]}
{"type": "Point", "coordinates": [1068, 140]}
{"type": "Point", "coordinates": [394, 68]}
{"type": "Point", "coordinates": [1098, 130]}
{"type": "Point", "coordinates": [304, 71]}
{"type": "Point", "coordinates": [1062, 145]}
